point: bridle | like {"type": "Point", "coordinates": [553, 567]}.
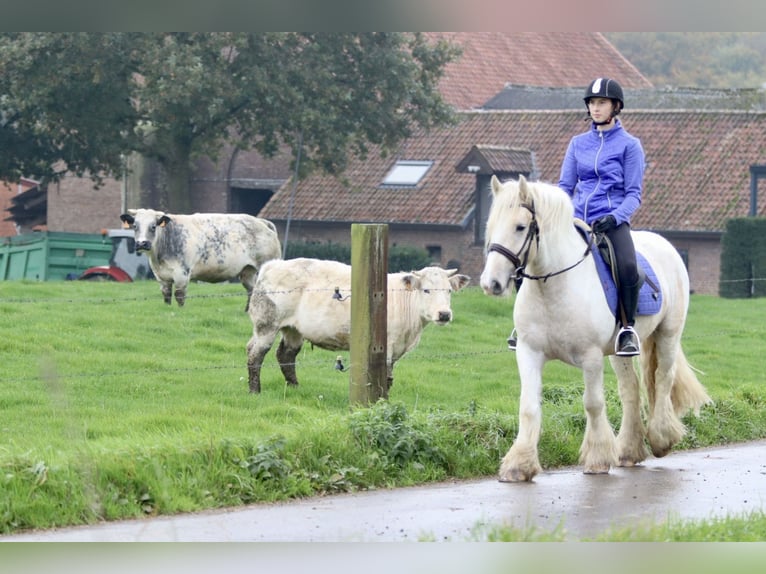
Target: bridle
{"type": "Point", "coordinates": [519, 260]}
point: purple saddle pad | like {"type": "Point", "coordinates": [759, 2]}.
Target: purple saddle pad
{"type": "Point", "coordinates": [649, 298]}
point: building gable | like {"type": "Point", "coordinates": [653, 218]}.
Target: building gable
{"type": "Point", "coordinates": [697, 176]}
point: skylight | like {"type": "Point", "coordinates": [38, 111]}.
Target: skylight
{"type": "Point", "coordinates": [406, 173]}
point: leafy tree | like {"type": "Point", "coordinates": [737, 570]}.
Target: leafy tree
{"type": "Point", "coordinates": [696, 59]}
{"type": "Point", "coordinates": [64, 104]}
{"type": "Point", "coordinates": [175, 97]}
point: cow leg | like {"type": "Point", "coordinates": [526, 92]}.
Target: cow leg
{"type": "Point", "coordinates": [182, 283]}
{"type": "Point", "coordinates": [167, 289]}
{"type": "Point", "coordinates": [389, 379]}
{"type": "Point", "coordinates": [288, 350]}
{"type": "Point", "coordinates": [257, 347]}
{"type": "Point", "coordinates": [247, 276]}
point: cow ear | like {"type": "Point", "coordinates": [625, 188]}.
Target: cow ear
{"type": "Point", "coordinates": [459, 281]}
{"type": "Point", "coordinates": [162, 221]}
{"type": "Point", "coordinates": [127, 220]}
{"type": "Point", "coordinates": [410, 281]}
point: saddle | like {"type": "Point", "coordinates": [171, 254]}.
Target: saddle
{"type": "Point", "coordinates": [649, 294]}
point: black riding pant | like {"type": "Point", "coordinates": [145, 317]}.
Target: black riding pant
{"type": "Point", "coordinates": [624, 254]}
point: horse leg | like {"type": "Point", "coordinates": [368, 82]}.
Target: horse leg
{"type": "Point", "coordinates": [630, 440]}
{"type": "Point", "coordinates": [665, 429]}
{"type": "Point", "coordinates": [598, 452]}
{"type": "Point", "coordinates": [521, 462]}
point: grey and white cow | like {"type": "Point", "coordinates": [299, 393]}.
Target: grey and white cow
{"type": "Point", "coordinates": [210, 247]}
{"type": "Point", "coordinates": [297, 298]}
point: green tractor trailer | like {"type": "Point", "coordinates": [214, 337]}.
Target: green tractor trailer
{"type": "Point", "coordinates": [56, 255]}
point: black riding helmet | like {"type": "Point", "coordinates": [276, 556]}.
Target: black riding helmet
{"type": "Point", "coordinates": [605, 88]}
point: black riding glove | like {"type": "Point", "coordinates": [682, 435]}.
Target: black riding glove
{"type": "Point", "coordinates": [604, 224]}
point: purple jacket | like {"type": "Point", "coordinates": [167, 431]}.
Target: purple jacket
{"type": "Point", "coordinates": [603, 173]}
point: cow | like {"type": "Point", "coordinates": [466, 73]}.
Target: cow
{"type": "Point", "coordinates": [210, 247]}
{"type": "Point", "coordinates": [309, 300]}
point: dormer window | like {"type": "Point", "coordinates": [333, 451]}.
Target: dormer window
{"type": "Point", "coordinates": [406, 173]}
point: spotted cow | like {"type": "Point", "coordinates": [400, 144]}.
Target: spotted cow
{"type": "Point", "coordinates": [210, 247]}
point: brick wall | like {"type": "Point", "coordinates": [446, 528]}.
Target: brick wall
{"type": "Point", "coordinates": [703, 260]}
{"type": "Point", "coordinates": [75, 205]}
{"type": "Point", "coordinates": [703, 254]}
{"type": "Point", "coordinates": [7, 191]}
{"type": "Point", "coordinates": [456, 246]}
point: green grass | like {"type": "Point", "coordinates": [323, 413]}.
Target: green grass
{"type": "Point", "coordinates": [740, 528]}
{"type": "Point", "coordinates": [115, 405]}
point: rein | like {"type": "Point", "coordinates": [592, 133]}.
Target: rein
{"type": "Point", "coordinates": [533, 234]}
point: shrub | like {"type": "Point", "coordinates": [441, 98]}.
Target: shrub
{"type": "Point", "coordinates": [400, 257]}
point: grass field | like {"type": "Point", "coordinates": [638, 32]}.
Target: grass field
{"type": "Point", "coordinates": [115, 405]}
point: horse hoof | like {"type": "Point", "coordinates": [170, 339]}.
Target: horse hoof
{"type": "Point", "coordinates": [660, 452]}
{"type": "Point", "coordinates": [515, 475]}
{"type": "Point", "coordinates": [600, 469]}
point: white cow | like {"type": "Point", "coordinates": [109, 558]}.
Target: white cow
{"type": "Point", "coordinates": [298, 297]}
{"type": "Point", "coordinates": [210, 247]}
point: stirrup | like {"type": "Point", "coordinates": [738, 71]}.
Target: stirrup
{"type": "Point", "coordinates": [631, 346]}
{"type": "Point", "coordinates": [512, 338]}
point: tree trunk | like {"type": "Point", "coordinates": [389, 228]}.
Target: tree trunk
{"type": "Point", "coordinates": [163, 182]}
{"type": "Point", "coordinates": [177, 171]}
{"type": "Point", "coordinates": [177, 187]}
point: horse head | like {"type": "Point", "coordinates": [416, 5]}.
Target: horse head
{"type": "Point", "coordinates": [511, 236]}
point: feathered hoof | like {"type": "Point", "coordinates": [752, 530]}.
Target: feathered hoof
{"type": "Point", "coordinates": [632, 457]}
{"type": "Point", "coordinates": [662, 444]}
{"type": "Point", "coordinates": [516, 475]}
{"type": "Point", "coordinates": [659, 452]}
{"type": "Point", "coordinates": [518, 469]}
{"type": "Point", "coordinates": [597, 469]}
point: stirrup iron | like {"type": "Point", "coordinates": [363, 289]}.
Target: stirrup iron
{"type": "Point", "coordinates": [512, 339]}
{"type": "Point", "coordinates": [629, 350]}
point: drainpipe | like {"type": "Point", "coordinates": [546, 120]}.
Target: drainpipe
{"type": "Point", "coordinates": [292, 194]}
{"type": "Point", "coordinates": [756, 172]}
{"type": "Point", "coordinates": [124, 187]}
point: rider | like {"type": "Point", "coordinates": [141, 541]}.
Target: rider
{"type": "Point", "coordinates": [603, 171]}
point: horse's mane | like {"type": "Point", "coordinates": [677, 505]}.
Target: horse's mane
{"type": "Point", "coordinates": [552, 206]}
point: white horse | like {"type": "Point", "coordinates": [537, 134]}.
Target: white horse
{"type": "Point", "coordinates": [561, 313]}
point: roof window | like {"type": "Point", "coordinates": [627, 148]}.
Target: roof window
{"type": "Point", "coordinates": [406, 173]}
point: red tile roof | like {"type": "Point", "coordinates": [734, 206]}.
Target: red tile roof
{"type": "Point", "coordinates": [697, 176]}
{"type": "Point", "coordinates": [561, 59]}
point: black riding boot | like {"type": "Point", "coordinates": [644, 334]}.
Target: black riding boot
{"type": "Point", "coordinates": [627, 343]}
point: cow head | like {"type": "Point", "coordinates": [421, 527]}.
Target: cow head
{"type": "Point", "coordinates": [145, 223]}
{"type": "Point", "coordinates": [435, 286]}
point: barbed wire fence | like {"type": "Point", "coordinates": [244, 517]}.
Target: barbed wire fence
{"type": "Point", "coordinates": [336, 294]}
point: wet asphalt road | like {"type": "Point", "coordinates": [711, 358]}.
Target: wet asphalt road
{"type": "Point", "coordinates": [699, 484]}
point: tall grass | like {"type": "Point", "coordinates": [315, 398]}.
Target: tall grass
{"type": "Point", "coordinates": [116, 405]}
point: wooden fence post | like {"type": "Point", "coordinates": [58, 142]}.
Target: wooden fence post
{"type": "Point", "coordinates": [369, 300]}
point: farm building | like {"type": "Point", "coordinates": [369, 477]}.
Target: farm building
{"type": "Point", "coordinates": [520, 97]}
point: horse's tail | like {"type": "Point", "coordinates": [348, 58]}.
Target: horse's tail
{"type": "Point", "coordinates": [687, 394]}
